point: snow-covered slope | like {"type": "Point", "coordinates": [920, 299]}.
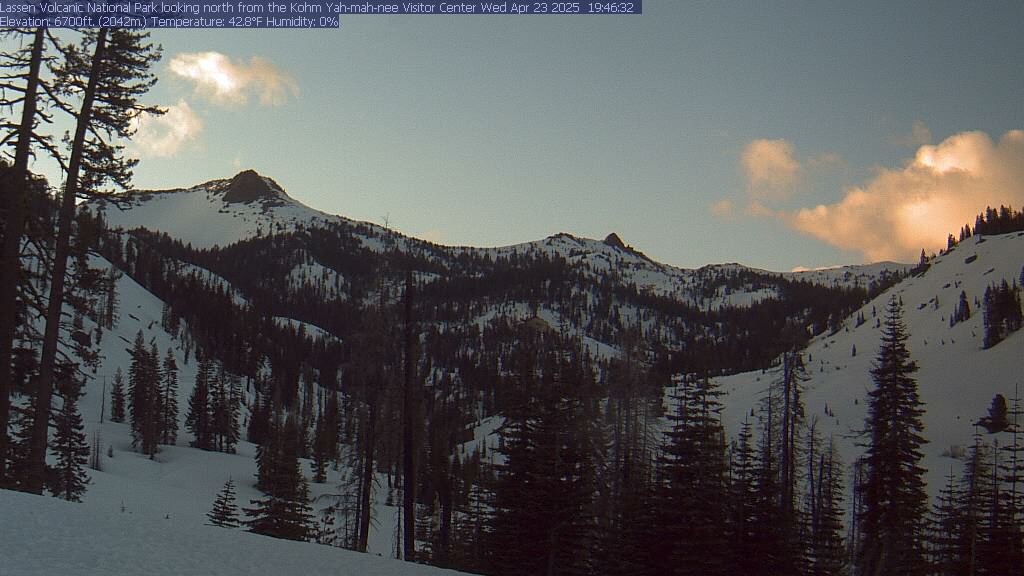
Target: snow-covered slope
{"type": "Point", "coordinates": [174, 491]}
{"type": "Point", "coordinates": [205, 216]}
{"type": "Point", "coordinates": [222, 212]}
{"type": "Point", "coordinates": [45, 536]}
{"type": "Point", "coordinates": [957, 378]}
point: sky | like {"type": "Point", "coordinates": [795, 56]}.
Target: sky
{"type": "Point", "coordinates": [780, 135]}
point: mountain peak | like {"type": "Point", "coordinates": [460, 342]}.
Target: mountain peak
{"type": "Point", "coordinates": [614, 241]}
{"type": "Point", "coordinates": [248, 186]}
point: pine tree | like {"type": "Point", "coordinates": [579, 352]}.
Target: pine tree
{"type": "Point", "coordinates": [225, 512]}
{"type": "Point", "coordinates": [144, 397]}
{"type": "Point", "coordinates": [110, 72]}
{"type": "Point", "coordinates": [544, 491]}
{"type": "Point", "coordinates": [894, 498]}
{"type": "Point", "coordinates": [197, 421]}
{"type": "Point", "coordinates": [827, 548]}
{"type": "Point", "coordinates": [743, 503]}
{"type": "Point", "coordinates": [68, 479]}
{"type": "Point", "coordinates": [117, 398]}
{"type": "Point", "coordinates": [946, 532]}
{"type": "Point", "coordinates": [284, 512]}
{"type": "Point", "coordinates": [23, 79]}
{"type": "Point", "coordinates": [169, 416]}
{"type": "Point", "coordinates": [693, 485]}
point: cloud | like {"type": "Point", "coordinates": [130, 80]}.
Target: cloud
{"type": "Point", "coordinates": [771, 168]}
{"type": "Point", "coordinates": [228, 83]}
{"type": "Point", "coordinates": [902, 210]}
{"type": "Point", "coordinates": [164, 136]}
{"type": "Point", "coordinates": [919, 135]}
{"type": "Point", "coordinates": [723, 208]}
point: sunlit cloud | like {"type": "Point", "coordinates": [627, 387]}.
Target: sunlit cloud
{"type": "Point", "coordinates": [228, 83]}
{"type": "Point", "coordinates": [902, 210]}
{"type": "Point", "coordinates": [771, 168]}
{"type": "Point", "coordinates": [165, 135]}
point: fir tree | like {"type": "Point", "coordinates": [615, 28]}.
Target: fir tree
{"type": "Point", "coordinates": [827, 548]}
{"type": "Point", "coordinates": [68, 478]}
{"type": "Point", "coordinates": [225, 512]}
{"type": "Point", "coordinates": [694, 484]}
{"type": "Point", "coordinates": [169, 416]}
{"type": "Point", "coordinates": [110, 72]}
{"type": "Point", "coordinates": [894, 499]}
{"type": "Point", "coordinates": [197, 421]}
{"type": "Point", "coordinates": [117, 398]}
{"type": "Point", "coordinates": [144, 396]}
{"type": "Point", "coordinates": [284, 512]}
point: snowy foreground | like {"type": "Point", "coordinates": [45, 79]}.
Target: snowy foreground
{"type": "Point", "coordinates": [47, 536]}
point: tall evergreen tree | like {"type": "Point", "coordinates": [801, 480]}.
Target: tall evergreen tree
{"type": "Point", "coordinates": [117, 397]}
{"type": "Point", "coordinates": [22, 75]}
{"type": "Point", "coordinates": [110, 72]}
{"type": "Point", "coordinates": [197, 421]}
{"type": "Point", "coordinates": [827, 547]}
{"type": "Point", "coordinates": [169, 397]}
{"type": "Point", "coordinates": [694, 492]}
{"type": "Point", "coordinates": [68, 478]}
{"type": "Point", "coordinates": [284, 512]}
{"type": "Point", "coordinates": [892, 539]}
{"type": "Point", "coordinates": [144, 397]}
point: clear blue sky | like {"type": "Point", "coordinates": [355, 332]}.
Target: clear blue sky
{"type": "Point", "coordinates": [697, 131]}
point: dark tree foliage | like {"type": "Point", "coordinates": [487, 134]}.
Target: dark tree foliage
{"type": "Point", "coordinates": [225, 511]}
{"type": "Point", "coordinates": [1002, 309]}
{"type": "Point", "coordinates": [68, 479]}
{"type": "Point", "coordinates": [198, 421]}
{"type": "Point", "coordinates": [144, 396]}
{"type": "Point", "coordinates": [544, 492]}
{"type": "Point", "coordinates": [169, 397]}
{"type": "Point", "coordinates": [284, 512]}
{"type": "Point", "coordinates": [693, 488]}
{"type": "Point", "coordinates": [894, 499]}
{"type": "Point", "coordinates": [117, 398]}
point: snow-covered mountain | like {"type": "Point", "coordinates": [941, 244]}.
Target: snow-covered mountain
{"type": "Point", "coordinates": [957, 378]}
{"type": "Point", "coordinates": [245, 240]}
{"type": "Point", "coordinates": [223, 212]}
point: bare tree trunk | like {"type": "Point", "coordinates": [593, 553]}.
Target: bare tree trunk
{"type": "Point", "coordinates": [366, 482]}
{"type": "Point", "coordinates": [15, 185]}
{"type": "Point", "coordinates": [40, 425]}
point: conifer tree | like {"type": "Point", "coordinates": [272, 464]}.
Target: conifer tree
{"type": "Point", "coordinates": [225, 512]}
{"type": "Point", "coordinates": [743, 503]}
{"type": "Point", "coordinates": [110, 72]}
{"type": "Point", "coordinates": [169, 416]}
{"type": "Point", "coordinates": [694, 491]}
{"type": "Point", "coordinates": [197, 421]}
{"type": "Point", "coordinates": [144, 397]}
{"type": "Point", "coordinates": [827, 547]}
{"type": "Point", "coordinates": [22, 84]}
{"type": "Point", "coordinates": [946, 532]}
{"type": "Point", "coordinates": [68, 479]}
{"type": "Point", "coordinates": [284, 512]}
{"type": "Point", "coordinates": [117, 398]}
{"type": "Point", "coordinates": [894, 500]}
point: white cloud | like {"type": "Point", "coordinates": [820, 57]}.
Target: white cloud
{"type": "Point", "coordinates": [771, 168]}
{"type": "Point", "coordinates": [228, 83]}
{"type": "Point", "coordinates": [164, 136]}
{"type": "Point", "coordinates": [902, 210]}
